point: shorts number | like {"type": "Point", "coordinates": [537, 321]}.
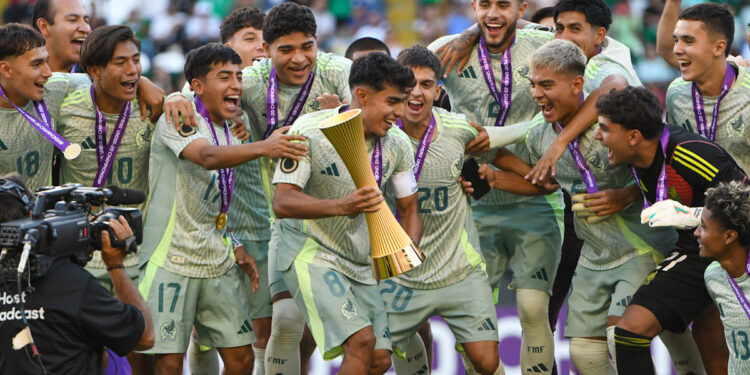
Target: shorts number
{"type": "Point", "coordinates": [334, 284]}
{"type": "Point", "coordinates": [673, 262]}
{"type": "Point", "coordinates": [124, 171]}
{"type": "Point", "coordinates": [440, 195]}
{"type": "Point", "coordinates": [744, 342]}
{"type": "Point", "coordinates": [28, 165]}
{"type": "Point", "coordinates": [402, 297]}
{"type": "Point", "coordinates": [175, 296]}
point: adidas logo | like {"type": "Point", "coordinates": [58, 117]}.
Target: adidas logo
{"type": "Point", "coordinates": [387, 334]}
{"type": "Point", "coordinates": [468, 73]}
{"type": "Point", "coordinates": [2, 145]}
{"type": "Point", "coordinates": [541, 275]}
{"type": "Point", "coordinates": [540, 367]}
{"type": "Point", "coordinates": [331, 170]}
{"type": "Point", "coordinates": [88, 144]}
{"type": "Point", "coordinates": [246, 328]}
{"type": "Point", "coordinates": [686, 125]}
{"type": "Point", "coordinates": [624, 302]}
{"type": "Point", "coordinates": [422, 371]}
{"type": "Point", "coordinates": [487, 326]}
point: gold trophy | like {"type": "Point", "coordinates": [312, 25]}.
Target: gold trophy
{"type": "Point", "coordinates": [391, 249]}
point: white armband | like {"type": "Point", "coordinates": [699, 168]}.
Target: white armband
{"type": "Point", "coordinates": [404, 184]}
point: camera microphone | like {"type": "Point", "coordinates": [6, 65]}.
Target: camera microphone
{"type": "Point", "coordinates": [117, 195]}
{"type": "Point", "coordinates": [29, 241]}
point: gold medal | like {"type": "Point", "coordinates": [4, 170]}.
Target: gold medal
{"type": "Point", "coordinates": [221, 221]}
{"type": "Point", "coordinates": [72, 151]}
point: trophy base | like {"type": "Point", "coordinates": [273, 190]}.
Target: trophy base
{"type": "Point", "coordinates": [398, 262]}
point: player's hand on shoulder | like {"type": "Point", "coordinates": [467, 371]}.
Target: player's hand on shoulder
{"type": "Point", "coordinates": [328, 101]}
{"type": "Point", "coordinates": [282, 145]}
{"type": "Point", "coordinates": [247, 263]}
{"type": "Point", "coordinates": [239, 129]}
{"type": "Point", "coordinates": [670, 213]}
{"type": "Point", "coordinates": [739, 61]}
{"type": "Point", "coordinates": [365, 200]}
{"type": "Point", "coordinates": [178, 110]}
{"type": "Point", "coordinates": [457, 52]}
{"type": "Point", "coordinates": [481, 143]}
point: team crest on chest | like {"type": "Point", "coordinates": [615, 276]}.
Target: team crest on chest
{"type": "Point", "coordinates": [735, 127]}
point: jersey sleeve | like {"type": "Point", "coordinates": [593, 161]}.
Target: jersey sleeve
{"type": "Point", "coordinates": [59, 86]}
{"type": "Point", "coordinates": [290, 171]}
{"type": "Point", "coordinates": [404, 152]}
{"type": "Point", "coordinates": [708, 164]}
{"type": "Point", "coordinates": [169, 137]}
{"type": "Point", "coordinates": [108, 321]}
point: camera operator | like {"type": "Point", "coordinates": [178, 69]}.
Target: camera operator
{"type": "Point", "coordinates": [72, 318]}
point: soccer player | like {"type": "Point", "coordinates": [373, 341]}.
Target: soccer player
{"type": "Point", "coordinates": [453, 265]}
{"type": "Point", "coordinates": [322, 242]}
{"type": "Point", "coordinates": [242, 31]}
{"type": "Point", "coordinates": [364, 46]}
{"type": "Point", "coordinates": [724, 237]}
{"type": "Point", "coordinates": [192, 280]}
{"type": "Point", "coordinates": [29, 105]}
{"type": "Point", "coordinates": [493, 91]}
{"type": "Point", "coordinates": [617, 251]}
{"type": "Point", "coordinates": [669, 164]}
{"type": "Point", "coordinates": [64, 25]}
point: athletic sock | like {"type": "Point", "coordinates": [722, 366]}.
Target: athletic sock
{"type": "Point", "coordinates": [259, 363]}
{"type": "Point", "coordinates": [591, 357]}
{"type": "Point", "coordinates": [415, 358]}
{"type": "Point", "coordinates": [684, 352]}
{"type": "Point", "coordinates": [282, 351]}
{"type": "Point", "coordinates": [204, 362]}
{"type": "Point", "coordinates": [611, 345]}
{"type": "Point", "coordinates": [537, 344]}
{"type": "Point", "coordinates": [633, 353]}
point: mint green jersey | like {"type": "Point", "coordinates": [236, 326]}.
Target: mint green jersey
{"type": "Point", "coordinates": [614, 59]}
{"type": "Point", "coordinates": [470, 96]}
{"type": "Point", "coordinates": [731, 131]}
{"type": "Point", "coordinates": [343, 241]}
{"type": "Point", "coordinates": [449, 237]}
{"type": "Point", "coordinates": [620, 237]}
{"type": "Point", "coordinates": [735, 321]}
{"type": "Point", "coordinates": [184, 201]}
{"type": "Point", "coordinates": [23, 149]}
{"type": "Point", "coordinates": [77, 123]}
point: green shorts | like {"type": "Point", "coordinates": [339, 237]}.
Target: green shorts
{"type": "Point", "coordinates": [275, 282]}
{"type": "Point", "coordinates": [595, 295]}
{"type": "Point", "coordinates": [260, 301]}
{"type": "Point", "coordinates": [527, 236]}
{"type": "Point", "coordinates": [335, 306]}
{"type": "Point", "coordinates": [220, 314]}
{"type": "Point", "coordinates": [466, 306]}
{"type": "Point", "coordinates": [102, 276]}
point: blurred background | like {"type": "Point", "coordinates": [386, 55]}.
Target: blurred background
{"type": "Point", "coordinates": [169, 28]}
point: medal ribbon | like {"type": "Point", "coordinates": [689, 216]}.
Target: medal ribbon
{"type": "Point", "coordinates": [376, 162]}
{"type": "Point", "coordinates": [226, 176]}
{"type": "Point", "coordinates": [698, 109]}
{"type": "Point", "coordinates": [107, 158]}
{"type": "Point", "coordinates": [502, 96]}
{"type": "Point", "coordinates": [272, 102]}
{"type": "Point", "coordinates": [661, 184]}
{"type": "Point", "coordinates": [424, 145]}
{"type": "Point", "coordinates": [43, 124]}
{"type": "Point", "coordinates": [574, 148]}
{"type": "Point", "coordinates": [738, 292]}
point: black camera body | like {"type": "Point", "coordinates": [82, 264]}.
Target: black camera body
{"type": "Point", "coordinates": [59, 224]}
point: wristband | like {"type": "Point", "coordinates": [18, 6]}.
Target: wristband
{"type": "Point", "coordinates": [116, 267]}
{"type": "Point", "coordinates": [235, 241]}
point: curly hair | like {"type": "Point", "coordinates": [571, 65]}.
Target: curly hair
{"type": "Point", "coordinates": [417, 56]}
{"type": "Point", "coordinates": [199, 61]}
{"type": "Point", "coordinates": [716, 18]}
{"type": "Point", "coordinates": [634, 108]}
{"type": "Point", "coordinates": [240, 19]}
{"type": "Point", "coordinates": [729, 203]}
{"type": "Point", "coordinates": [596, 11]}
{"type": "Point", "coordinates": [17, 39]}
{"type": "Point", "coordinates": [377, 70]}
{"type": "Point", "coordinates": [287, 18]}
